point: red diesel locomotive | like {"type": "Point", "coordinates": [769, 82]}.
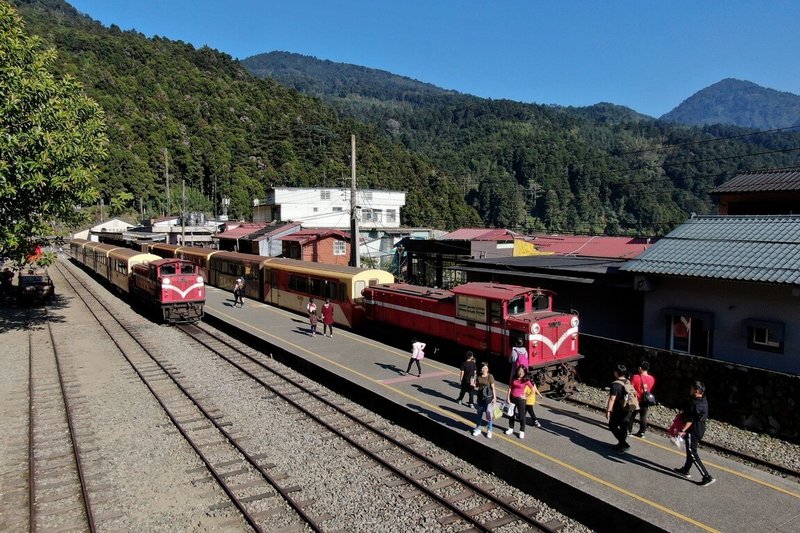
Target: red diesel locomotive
{"type": "Point", "coordinates": [487, 318]}
{"type": "Point", "coordinates": [173, 288]}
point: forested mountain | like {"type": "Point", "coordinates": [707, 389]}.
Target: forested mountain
{"type": "Point", "coordinates": [463, 160]}
{"type": "Point", "coordinates": [225, 132]}
{"type": "Point", "coordinates": [738, 103]}
{"type": "Point", "coordinates": [601, 169]}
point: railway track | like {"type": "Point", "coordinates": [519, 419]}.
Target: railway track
{"type": "Point", "coordinates": [718, 448]}
{"type": "Point", "coordinates": [463, 504]}
{"type": "Point", "coordinates": [59, 493]}
{"type": "Point", "coordinates": [258, 494]}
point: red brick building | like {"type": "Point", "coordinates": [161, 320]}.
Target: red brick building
{"type": "Point", "coordinates": [320, 245]}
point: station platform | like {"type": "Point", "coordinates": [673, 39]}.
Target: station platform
{"type": "Point", "coordinates": [568, 462]}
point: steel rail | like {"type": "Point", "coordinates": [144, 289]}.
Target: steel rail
{"type": "Point", "coordinates": [407, 449]}
{"type": "Point", "coordinates": [220, 480]}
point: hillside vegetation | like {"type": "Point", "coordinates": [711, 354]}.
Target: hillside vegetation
{"type": "Point", "coordinates": [463, 160]}
{"type": "Point", "coordinates": [740, 103]}
{"type": "Point", "coordinates": [600, 169]}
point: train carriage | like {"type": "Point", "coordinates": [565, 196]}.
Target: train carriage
{"type": "Point", "coordinates": [121, 263]}
{"type": "Point", "coordinates": [162, 250]}
{"type": "Point", "coordinates": [289, 283]}
{"type": "Point", "coordinates": [76, 249]}
{"type": "Point", "coordinates": [96, 255]}
{"type": "Point", "coordinates": [225, 267]}
{"type": "Point", "coordinates": [171, 287]}
{"type": "Point", "coordinates": [198, 256]}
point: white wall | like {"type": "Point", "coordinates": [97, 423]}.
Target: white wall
{"type": "Point", "coordinates": [731, 304]}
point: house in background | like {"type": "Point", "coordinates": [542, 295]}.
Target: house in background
{"type": "Point", "coordinates": [725, 287]}
{"type": "Point", "coordinates": [330, 208]}
{"type": "Point", "coordinates": [256, 238]}
{"type": "Point", "coordinates": [767, 192]}
{"type": "Point", "coordinates": [327, 246]}
{"type": "Point", "coordinates": [112, 228]}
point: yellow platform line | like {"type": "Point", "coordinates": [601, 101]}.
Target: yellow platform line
{"type": "Point", "coordinates": [438, 409]}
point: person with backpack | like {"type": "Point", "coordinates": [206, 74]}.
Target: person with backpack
{"type": "Point", "coordinates": [642, 382]}
{"type": "Point", "coordinates": [518, 357]}
{"type": "Point", "coordinates": [622, 403]}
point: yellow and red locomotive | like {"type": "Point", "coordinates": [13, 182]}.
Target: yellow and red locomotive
{"type": "Point", "coordinates": [487, 317]}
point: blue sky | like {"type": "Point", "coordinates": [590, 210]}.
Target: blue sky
{"type": "Point", "coordinates": [647, 55]}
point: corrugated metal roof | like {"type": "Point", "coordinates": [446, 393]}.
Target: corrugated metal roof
{"type": "Point", "coordinates": [786, 179]}
{"type": "Point", "coordinates": [746, 248]}
{"type": "Point", "coordinates": [480, 234]}
{"type": "Point", "coordinates": [592, 246]}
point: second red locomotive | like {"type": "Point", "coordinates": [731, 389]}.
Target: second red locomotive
{"type": "Point", "coordinates": [172, 287]}
{"type": "Point", "coordinates": [487, 317]}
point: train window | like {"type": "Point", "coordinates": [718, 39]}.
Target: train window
{"type": "Point", "coordinates": [359, 288]}
{"type": "Point", "coordinates": [167, 270]}
{"type": "Point", "coordinates": [495, 311]}
{"type": "Point", "coordinates": [298, 283]}
{"type": "Point", "coordinates": [471, 308]}
{"type": "Point", "coordinates": [315, 287]}
{"type": "Point", "coordinates": [187, 268]}
{"type": "Point", "coordinates": [541, 302]}
{"type": "Point", "coordinates": [515, 306]}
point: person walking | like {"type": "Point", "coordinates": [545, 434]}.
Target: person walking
{"type": "Point", "coordinates": [417, 354]}
{"type": "Point", "coordinates": [487, 395]}
{"type": "Point", "coordinates": [238, 292]}
{"type": "Point", "coordinates": [522, 393]}
{"type": "Point", "coordinates": [642, 382]}
{"type": "Point", "coordinates": [467, 379]}
{"type": "Point", "coordinates": [617, 407]}
{"type": "Point", "coordinates": [695, 415]}
{"type": "Point", "coordinates": [327, 318]}
{"type": "Point", "coordinates": [312, 316]}
{"type": "Point", "coordinates": [518, 357]}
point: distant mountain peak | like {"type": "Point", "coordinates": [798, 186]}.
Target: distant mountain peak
{"type": "Point", "coordinates": [738, 103]}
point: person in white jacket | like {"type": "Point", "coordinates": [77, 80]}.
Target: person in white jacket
{"type": "Point", "coordinates": [417, 353]}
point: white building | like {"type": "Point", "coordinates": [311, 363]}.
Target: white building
{"type": "Point", "coordinates": [330, 208]}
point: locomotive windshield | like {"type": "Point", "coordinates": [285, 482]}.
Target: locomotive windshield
{"type": "Point", "coordinates": [541, 302]}
{"type": "Point", "coordinates": [516, 306]}
{"type": "Point", "coordinates": [187, 268]}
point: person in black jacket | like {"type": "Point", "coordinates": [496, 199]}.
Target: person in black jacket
{"type": "Point", "coordinates": [695, 415]}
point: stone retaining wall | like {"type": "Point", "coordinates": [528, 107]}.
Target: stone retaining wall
{"type": "Point", "coordinates": [759, 400]}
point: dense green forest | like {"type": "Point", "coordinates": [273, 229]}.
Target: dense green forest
{"type": "Point", "coordinates": [740, 103]}
{"type": "Point", "coordinates": [464, 161]}
{"type": "Point", "coordinates": [200, 115]}
{"type": "Point", "coordinates": [600, 169]}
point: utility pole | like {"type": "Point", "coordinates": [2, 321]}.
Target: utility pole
{"type": "Point", "coordinates": [183, 213]}
{"type": "Point", "coordinates": [166, 177]}
{"type": "Point", "coordinates": [354, 237]}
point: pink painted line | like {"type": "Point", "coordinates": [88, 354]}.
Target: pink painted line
{"type": "Point", "coordinates": [413, 377]}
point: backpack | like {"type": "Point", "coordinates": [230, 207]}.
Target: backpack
{"type": "Point", "coordinates": [519, 357]}
{"type": "Point", "coordinates": [630, 402]}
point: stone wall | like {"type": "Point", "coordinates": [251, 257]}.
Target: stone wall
{"type": "Point", "coordinates": [759, 400]}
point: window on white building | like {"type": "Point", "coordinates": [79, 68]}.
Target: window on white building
{"type": "Point", "coordinates": [336, 209]}
{"type": "Point", "coordinates": [391, 215]}
{"type": "Point", "coordinates": [324, 195]}
{"type": "Point", "coordinates": [339, 248]}
{"type": "Point", "coordinates": [366, 215]}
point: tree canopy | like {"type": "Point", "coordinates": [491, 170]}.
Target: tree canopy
{"type": "Point", "coordinates": [51, 139]}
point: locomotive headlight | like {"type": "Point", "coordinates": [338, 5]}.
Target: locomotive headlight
{"type": "Point", "coordinates": [199, 279]}
{"type": "Point", "coordinates": [574, 322]}
{"type": "Point", "coordinates": [165, 281]}
{"type": "Point", "coordinates": [536, 328]}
